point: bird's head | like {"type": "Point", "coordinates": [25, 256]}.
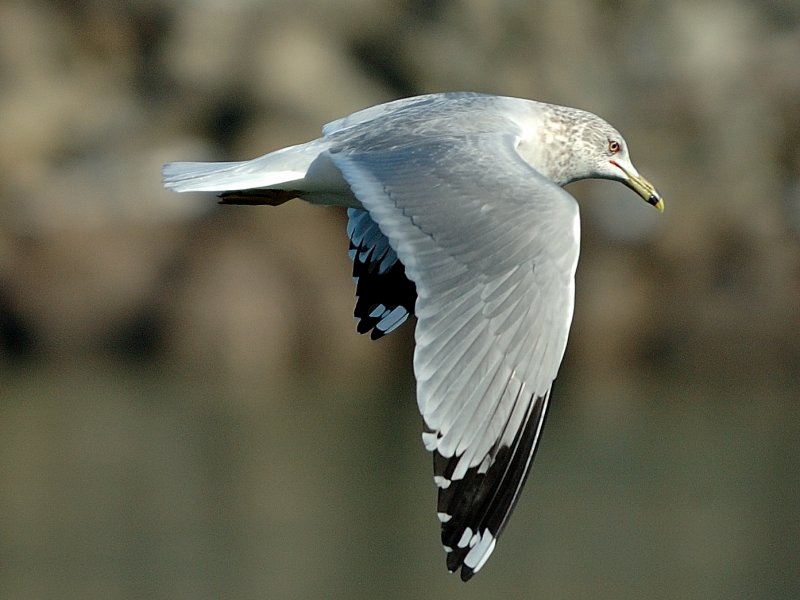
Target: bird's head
{"type": "Point", "coordinates": [610, 160]}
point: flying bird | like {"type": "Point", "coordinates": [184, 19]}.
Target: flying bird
{"type": "Point", "coordinates": [456, 215]}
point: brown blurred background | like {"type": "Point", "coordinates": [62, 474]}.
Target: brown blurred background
{"type": "Point", "coordinates": [186, 410]}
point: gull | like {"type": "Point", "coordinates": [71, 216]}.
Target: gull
{"type": "Point", "coordinates": [456, 215]}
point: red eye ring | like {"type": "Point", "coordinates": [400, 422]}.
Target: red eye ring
{"type": "Point", "coordinates": [614, 146]}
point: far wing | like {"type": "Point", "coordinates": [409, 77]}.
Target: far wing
{"type": "Point", "coordinates": [492, 247]}
{"type": "Point", "coordinates": [385, 296]}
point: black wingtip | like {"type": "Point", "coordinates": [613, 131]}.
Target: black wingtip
{"type": "Point", "coordinates": [385, 296]}
{"type": "Point", "coordinates": [455, 561]}
{"type": "Point", "coordinates": [465, 574]}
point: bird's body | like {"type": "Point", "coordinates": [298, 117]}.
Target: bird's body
{"type": "Point", "coordinates": [457, 215]}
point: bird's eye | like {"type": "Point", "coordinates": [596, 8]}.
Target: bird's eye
{"type": "Point", "coordinates": [614, 146]}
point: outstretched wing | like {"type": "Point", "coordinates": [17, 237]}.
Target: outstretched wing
{"type": "Point", "coordinates": [492, 247]}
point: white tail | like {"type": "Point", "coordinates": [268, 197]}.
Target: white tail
{"type": "Point", "coordinates": [275, 170]}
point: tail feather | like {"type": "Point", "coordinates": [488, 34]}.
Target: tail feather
{"type": "Point", "coordinates": [276, 169]}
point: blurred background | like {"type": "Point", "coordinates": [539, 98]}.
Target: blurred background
{"type": "Point", "coordinates": [186, 410]}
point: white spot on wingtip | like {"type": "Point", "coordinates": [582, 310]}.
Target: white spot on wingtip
{"type": "Point", "coordinates": [485, 556]}
{"type": "Point", "coordinates": [444, 517]}
{"type": "Point", "coordinates": [483, 468]}
{"type": "Point", "coordinates": [465, 538]}
{"type": "Point", "coordinates": [429, 439]}
{"type": "Point", "coordinates": [480, 552]}
{"type": "Point", "coordinates": [441, 482]}
{"type": "Point", "coordinates": [447, 549]}
{"type": "Point", "coordinates": [396, 318]}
